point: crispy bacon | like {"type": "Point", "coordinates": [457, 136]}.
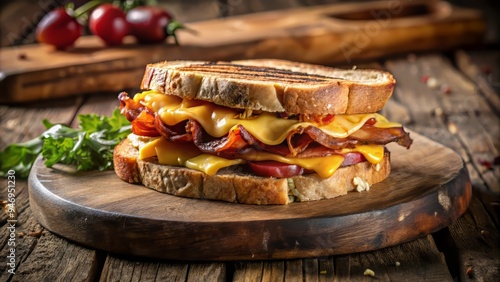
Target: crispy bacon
{"type": "Point", "coordinates": [368, 134]}
{"type": "Point", "coordinates": [301, 142]}
{"type": "Point", "coordinates": [141, 118]}
{"type": "Point", "coordinates": [178, 132]}
{"type": "Point", "coordinates": [227, 146]}
{"type": "Point", "coordinates": [144, 124]}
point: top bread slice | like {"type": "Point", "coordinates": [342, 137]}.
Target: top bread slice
{"type": "Point", "coordinates": [273, 85]}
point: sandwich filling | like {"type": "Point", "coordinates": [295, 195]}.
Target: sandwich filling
{"type": "Point", "coordinates": [207, 137]}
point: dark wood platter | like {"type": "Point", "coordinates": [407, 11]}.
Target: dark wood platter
{"type": "Point", "coordinates": [428, 188]}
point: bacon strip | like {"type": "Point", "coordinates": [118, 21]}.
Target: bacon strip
{"type": "Point", "coordinates": [227, 146]}
{"type": "Point", "coordinates": [302, 142]}
{"type": "Point", "coordinates": [142, 119]}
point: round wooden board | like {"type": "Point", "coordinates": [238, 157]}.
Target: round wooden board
{"type": "Point", "coordinates": [428, 188]}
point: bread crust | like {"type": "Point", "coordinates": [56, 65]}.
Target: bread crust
{"type": "Point", "coordinates": [273, 85]}
{"type": "Point", "coordinates": [234, 185]}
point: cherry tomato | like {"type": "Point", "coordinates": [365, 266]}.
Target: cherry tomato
{"type": "Point", "coordinates": [149, 23]}
{"type": "Point", "coordinates": [58, 28]}
{"type": "Point", "coordinates": [109, 22]}
{"type": "Point", "coordinates": [275, 169]}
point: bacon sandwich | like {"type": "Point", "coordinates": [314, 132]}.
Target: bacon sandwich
{"type": "Point", "coordinates": [257, 131]}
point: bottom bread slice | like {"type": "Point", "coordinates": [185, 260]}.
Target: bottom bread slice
{"type": "Point", "coordinates": [234, 184]}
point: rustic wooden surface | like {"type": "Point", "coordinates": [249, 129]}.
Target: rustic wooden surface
{"type": "Point", "coordinates": [466, 120]}
{"type": "Point", "coordinates": [468, 250]}
{"type": "Point", "coordinates": [428, 189]}
{"type": "Point", "coordinates": [327, 34]}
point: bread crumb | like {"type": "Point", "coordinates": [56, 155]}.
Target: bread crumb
{"type": "Point", "coordinates": [369, 272]}
{"type": "Point", "coordinates": [438, 112]}
{"type": "Point", "coordinates": [323, 272]}
{"type": "Point", "coordinates": [398, 263]}
{"type": "Point", "coordinates": [377, 167]}
{"type": "Point", "coordinates": [360, 184]}
{"type": "Point", "coordinates": [432, 82]}
{"type": "Point", "coordinates": [452, 127]}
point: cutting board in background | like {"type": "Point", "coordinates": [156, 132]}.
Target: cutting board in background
{"type": "Point", "coordinates": [332, 34]}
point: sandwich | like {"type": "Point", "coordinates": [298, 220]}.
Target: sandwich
{"type": "Point", "coordinates": [265, 132]}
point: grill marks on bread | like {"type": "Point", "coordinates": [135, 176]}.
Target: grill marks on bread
{"type": "Point", "coordinates": [254, 73]}
{"type": "Point", "coordinates": [273, 86]}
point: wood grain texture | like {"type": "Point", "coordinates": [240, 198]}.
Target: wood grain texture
{"type": "Point", "coordinates": [419, 258]}
{"type": "Point", "coordinates": [471, 237]}
{"type": "Point", "coordinates": [422, 195]}
{"type": "Point", "coordinates": [475, 231]}
{"type": "Point", "coordinates": [328, 34]}
{"type": "Point", "coordinates": [483, 68]}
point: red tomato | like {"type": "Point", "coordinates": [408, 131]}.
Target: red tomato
{"type": "Point", "coordinates": [149, 23]}
{"type": "Point", "coordinates": [353, 158]}
{"type": "Point", "coordinates": [275, 169]}
{"type": "Point", "coordinates": [58, 28]}
{"type": "Point", "coordinates": [109, 22]}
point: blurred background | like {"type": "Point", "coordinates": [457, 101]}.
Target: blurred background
{"type": "Point", "coordinates": [19, 18]}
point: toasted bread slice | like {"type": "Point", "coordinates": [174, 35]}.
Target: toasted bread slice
{"type": "Point", "coordinates": [233, 184]}
{"type": "Point", "coordinates": [273, 85]}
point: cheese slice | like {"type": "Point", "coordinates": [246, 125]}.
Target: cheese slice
{"type": "Point", "coordinates": [266, 127]}
{"type": "Point", "coordinates": [210, 164]}
{"type": "Point", "coordinates": [188, 155]}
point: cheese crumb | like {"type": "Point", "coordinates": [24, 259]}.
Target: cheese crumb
{"type": "Point", "coordinates": [369, 272]}
{"type": "Point", "coordinates": [377, 167]}
{"type": "Point", "coordinates": [360, 184]}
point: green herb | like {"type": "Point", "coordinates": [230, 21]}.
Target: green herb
{"type": "Point", "coordinates": [88, 147]}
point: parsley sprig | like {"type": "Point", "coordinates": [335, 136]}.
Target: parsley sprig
{"type": "Point", "coordinates": [90, 146]}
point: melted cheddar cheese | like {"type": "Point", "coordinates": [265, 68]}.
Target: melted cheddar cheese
{"type": "Point", "coordinates": [175, 154]}
{"type": "Point", "coordinates": [266, 127]}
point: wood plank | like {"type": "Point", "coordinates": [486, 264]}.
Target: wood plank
{"type": "Point", "coordinates": [134, 269]}
{"type": "Point", "coordinates": [461, 119]}
{"type": "Point", "coordinates": [207, 272]}
{"type": "Point", "coordinates": [248, 271]}
{"type": "Point", "coordinates": [309, 34]}
{"type": "Point", "coordinates": [55, 259]}
{"type": "Point", "coordinates": [471, 245]}
{"type": "Point", "coordinates": [18, 124]}
{"type": "Point", "coordinates": [23, 231]}
{"type": "Point", "coordinates": [293, 270]}
{"type": "Point", "coordinates": [273, 271]}
{"type": "Point", "coordinates": [465, 123]}
{"type": "Point", "coordinates": [477, 239]}
{"type": "Point", "coordinates": [405, 262]}
{"type": "Point", "coordinates": [484, 69]}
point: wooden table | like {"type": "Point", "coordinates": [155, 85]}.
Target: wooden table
{"type": "Point", "coordinates": [461, 110]}
{"type": "Point", "coordinates": [465, 118]}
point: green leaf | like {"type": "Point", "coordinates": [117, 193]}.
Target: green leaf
{"type": "Point", "coordinates": [88, 147]}
{"type": "Point", "coordinates": [20, 157]}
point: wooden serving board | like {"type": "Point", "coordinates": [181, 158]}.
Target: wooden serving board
{"type": "Point", "coordinates": [331, 34]}
{"type": "Point", "coordinates": [428, 188]}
